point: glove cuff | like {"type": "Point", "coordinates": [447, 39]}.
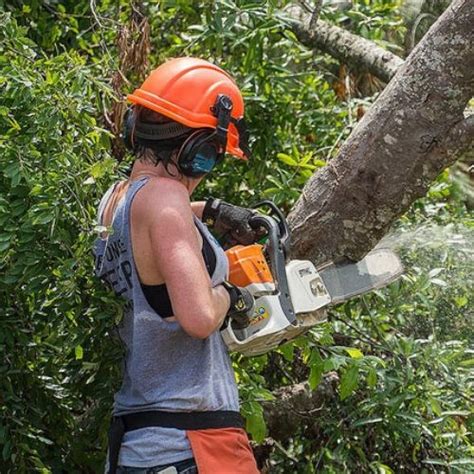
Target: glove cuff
{"type": "Point", "coordinates": [241, 300]}
{"type": "Point", "coordinates": [241, 305]}
{"type": "Point", "coordinates": [234, 295]}
{"type": "Point", "coordinates": [211, 211]}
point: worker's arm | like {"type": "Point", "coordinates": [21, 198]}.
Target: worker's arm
{"type": "Point", "coordinates": [199, 308]}
{"type": "Point", "coordinates": [198, 207]}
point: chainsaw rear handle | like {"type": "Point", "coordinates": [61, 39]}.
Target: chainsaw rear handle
{"type": "Point", "coordinates": [277, 254]}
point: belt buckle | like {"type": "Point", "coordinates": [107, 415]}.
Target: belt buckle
{"type": "Point", "coordinates": [168, 470]}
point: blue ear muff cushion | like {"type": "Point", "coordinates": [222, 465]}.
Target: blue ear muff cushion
{"type": "Point", "coordinates": [198, 143]}
{"type": "Point", "coordinates": [205, 159]}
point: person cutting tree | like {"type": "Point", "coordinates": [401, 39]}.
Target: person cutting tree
{"type": "Point", "coordinates": [177, 409]}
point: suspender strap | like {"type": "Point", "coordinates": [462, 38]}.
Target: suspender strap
{"type": "Point", "coordinates": [197, 420]}
{"type": "Point", "coordinates": [116, 432]}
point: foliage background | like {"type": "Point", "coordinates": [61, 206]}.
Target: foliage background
{"type": "Point", "coordinates": [404, 355]}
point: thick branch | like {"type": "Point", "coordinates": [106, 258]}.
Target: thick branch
{"type": "Point", "coordinates": [460, 138]}
{"type": "Point", "coordinates": [297, 405]}
{"type": "Point", "coordinates": [343, 45]}
{"type": "Point", "coordinates": [414, 130]}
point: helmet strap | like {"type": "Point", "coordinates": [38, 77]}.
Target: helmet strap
{"type": "Point", "coordinates": [159, 131]}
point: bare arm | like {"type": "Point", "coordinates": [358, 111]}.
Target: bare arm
{"type": "Point", "coordinates": [198, 207]}
{"type": "Point", "coordinates": [199, 308]}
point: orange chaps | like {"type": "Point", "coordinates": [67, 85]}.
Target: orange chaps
{"type": "Point", "coordinates": [222, 451]}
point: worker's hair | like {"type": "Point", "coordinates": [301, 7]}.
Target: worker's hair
{"type": "Point", "coordinates": [160, 151]}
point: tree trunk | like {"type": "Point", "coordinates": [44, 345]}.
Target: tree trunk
{"type": "Point", "coordinates": [414, 130]}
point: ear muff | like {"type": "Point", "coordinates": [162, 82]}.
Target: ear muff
{"type": "Point", "coordinates": [199, 154]}
{"type": "Point", "coordinates": [127, 129]}
{"type": "Point", "coordinates": [206, 148]}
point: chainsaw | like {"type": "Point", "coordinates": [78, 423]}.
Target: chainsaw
{"type": "Point", "coordinates": [291, 296]}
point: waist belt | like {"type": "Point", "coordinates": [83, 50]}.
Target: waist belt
{"type": "Point", "coordinates": [197, 420]}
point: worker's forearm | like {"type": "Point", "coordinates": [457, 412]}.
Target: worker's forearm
{"type": "Point", "coordinates": [197, 208]}
{"type": "Point", "coordinates": [221, 300]}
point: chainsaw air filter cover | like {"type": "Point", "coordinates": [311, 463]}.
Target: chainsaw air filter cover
{"type": "Point", "coordinates": [247, 265]}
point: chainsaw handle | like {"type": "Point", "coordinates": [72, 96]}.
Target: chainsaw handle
{"type": "Point", "coordinates": [260, 220]}
{"type": "Point", "coordinates": [282, 224]}
{"type": "Point", "coordinates": [277, 254]}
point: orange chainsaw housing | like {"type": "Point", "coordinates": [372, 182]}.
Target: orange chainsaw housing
{"type": "Point", "coordinates": [247, 265]}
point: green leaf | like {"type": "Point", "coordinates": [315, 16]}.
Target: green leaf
{"type": "Point", "coordinates": [435, 406]}
{"type": "Point", "coordinates": [463, 462]}
{"type": "Point", "coordinates": [79, 351]}
{"type": "Point", "coordinates": [101, 168]}
{"type": "Point", "coordinates": [467, 363]}
{"type": "Point", "coordinates": [439, 282]}
{"type": "Point", "coordinates": [316, 369]}
{"type": "Point", "coordinates": [461, 301]}
{"type": "Point", "coordinates": [287, 351]}
{"type": "Point", "coordinates": [349, 382]}
{"type": "Point", "coordinates": [6, 451]}
{"type": "Point", "coordinates": [354, 353]}
{"type": "Point", "coordinates": [255, 423]}
{"type": "Point", "coordinates": [319, 163]}
{"type": "Point", "coordinates": [372, 378]}
{"type": "Point", "coordinates": [435, 462]}
{"type": "Point", "coordinates": [368, 421]}
{"type": "Point", "coordinates": [382, 468]}
{"type": "Point", "coordinates": [287, 159]}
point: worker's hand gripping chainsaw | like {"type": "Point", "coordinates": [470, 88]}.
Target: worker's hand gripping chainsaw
{"type": "Point", "coordinates": [290, 296]}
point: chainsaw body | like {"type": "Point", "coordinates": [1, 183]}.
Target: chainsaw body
{"type": "Point", "coordinates": [291, 296]}
{"type": "Point", "coordinates": [270, 325]}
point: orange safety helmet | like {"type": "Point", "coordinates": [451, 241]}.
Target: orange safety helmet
{"type": "Point", "coordinates": [185, 90]}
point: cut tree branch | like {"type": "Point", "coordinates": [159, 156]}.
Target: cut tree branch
{"type": "Point", "coordinates": [297, 405]}
{"type": "Point", "coordinates": [414, 130]}
{"type": "Point", "coordinates": [341, 44]}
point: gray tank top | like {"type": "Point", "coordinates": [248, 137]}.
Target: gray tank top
{"type": "Point", "coordinates": [164, 368]}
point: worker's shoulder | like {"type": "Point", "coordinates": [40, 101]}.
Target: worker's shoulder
{"type": "Point", "coordinates": [161, 197]}
{"type": "Point", "coordinates": [163, 188]}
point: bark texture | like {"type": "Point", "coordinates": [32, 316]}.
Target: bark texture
{"type": "Point", "coordinates": [414, 130]}
{"type": "Point", "coordinates": [343, 45]}
{"type": "Point", "coordinates": [296, 406]}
